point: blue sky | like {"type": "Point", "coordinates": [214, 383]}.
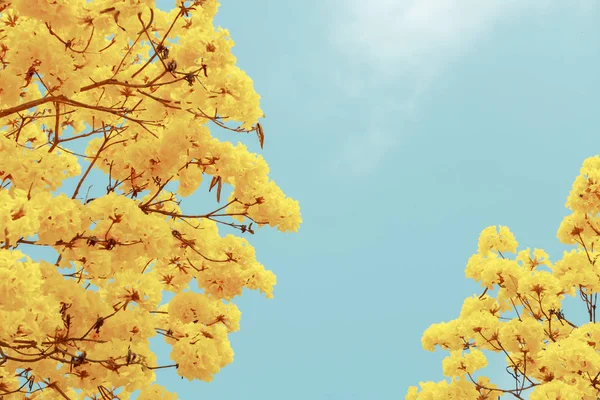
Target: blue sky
{"type": "Point", "coordinates": [403, 128]}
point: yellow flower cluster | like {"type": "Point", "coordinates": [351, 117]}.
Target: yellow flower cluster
{"type": "Point", "coordinates": [520, 314]}
{"type": "Point", "coordinates": [124, 92]}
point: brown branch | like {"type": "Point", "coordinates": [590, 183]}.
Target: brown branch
{"type": "Point", "coordinates": [113, 41]}
{"type": "Point", "coordinates": [100, 149]}
{"type": "Point", "coordinates": [145, 30]}
{"type": "Point", "coordinates": [158, 191]}
{"type": "Point", "coordinates": [165, 366]}
{"type": "Point", "coordinates": [31, 104]}
{"type": "Point", "coordinates": [188, 243]}
{"type": "Point", "coordinates": [117, 113]}
{"type": "Point", "coordinates": [116, 82]}
{"type": "Point", "coordinates": [56, 129]}
{"type": "Point", "coordinates": [258, 128]}
{"type": "Point", "coordinates": [54, 386]}
{"type": "Point", "coordinates": [69, 43]}
{"type": "Point", "coordinates": [140, 33]}
{"type": "Point", "coordinates": [164, 102]}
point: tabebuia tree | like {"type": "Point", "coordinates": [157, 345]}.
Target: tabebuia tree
{"type": "Point", "coordinates": [122, 93]}
{"type": "Point", "coordinates": [549, 354]}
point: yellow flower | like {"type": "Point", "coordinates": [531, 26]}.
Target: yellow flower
{"type": "Point", "coordinates": [156, 392]}
{"type": "Point", "coordinates": [555, 390]}
{"type": "Point", "coordinates": [459, 363]}
{"type": "Point", "coordinates": [491, 240]}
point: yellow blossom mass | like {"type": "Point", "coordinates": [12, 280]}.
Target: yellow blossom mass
{"type": "Point", "coordinates": [520, 313]}
{"type": "Point", "coordinates": [131, 93]}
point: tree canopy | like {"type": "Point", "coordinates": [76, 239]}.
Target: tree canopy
{"type": "Point", "coordinates": [125, 91]}
{"type": "Point", "coordinates": [520, 314]}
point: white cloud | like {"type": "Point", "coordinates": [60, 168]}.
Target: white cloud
{"type": "Point", "coordinates": [407, 45]}
{"type": "Point", "coordinates": [415, 38]}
